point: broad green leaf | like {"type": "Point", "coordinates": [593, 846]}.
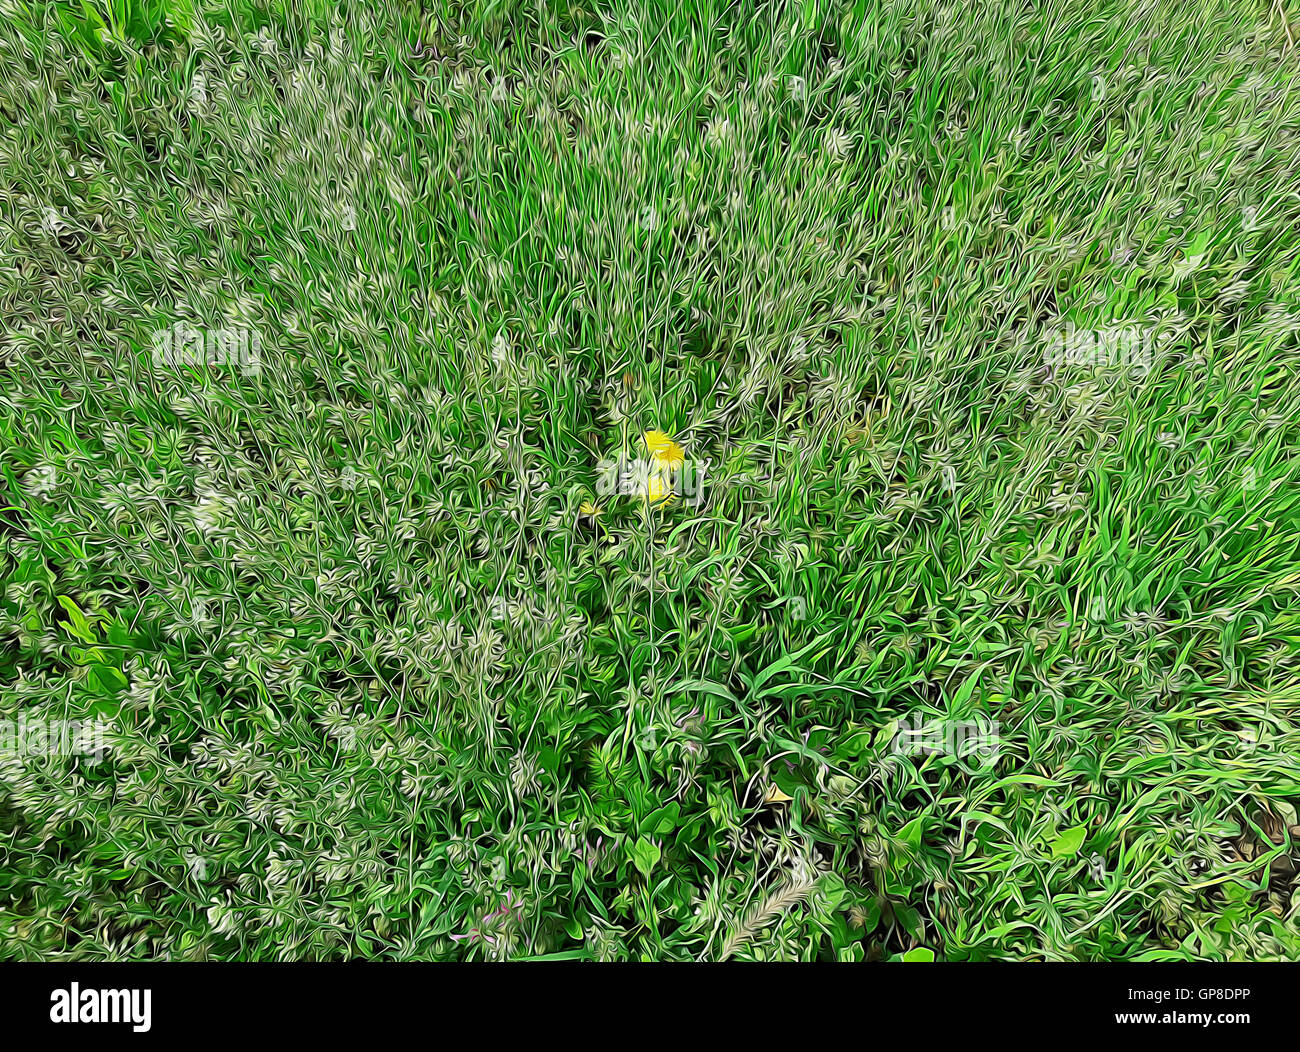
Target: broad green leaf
{"type": "Point", "coordinates": [645, 856]}
{"type": "Point", "coordinates": [1069, 842]}
{"type": "Point", "coordinates": [80, 627]}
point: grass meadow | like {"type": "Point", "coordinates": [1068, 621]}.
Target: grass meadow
{"type": "Point", "coordinates": [627, 480]}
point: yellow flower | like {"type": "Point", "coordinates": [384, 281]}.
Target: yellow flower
{"type": "Point", "coordinates": [666, 453]}
{"type": "Point", "coordinates": [657, 488]}
{"type": "Point", "coordinates": [592, 511]}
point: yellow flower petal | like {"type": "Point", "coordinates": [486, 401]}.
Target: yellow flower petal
{"type": "Point", "coordinates": [589, 509]}
{"type": "Point", "coordinates": [672, 458]}
{"type": "Point", "coordinates": [657, 488]}
{"type": "Point", "coordinates": [656, 441]}
{"type": "Point", "coordinates": [775, 796]}
{"type": "Point", "coordinates": [666, 453]}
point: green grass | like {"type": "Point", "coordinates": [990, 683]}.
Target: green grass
{"type": "Point", "coordinates": [375, 688]}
